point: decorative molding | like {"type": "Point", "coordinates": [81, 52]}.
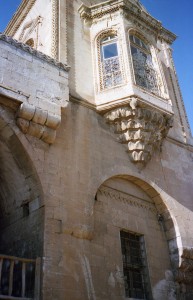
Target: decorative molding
{"type": "Point", "coordinates": [55, 29]}
{"type": "Point", "coordinates": [127, 9]}
{"type": "Point", "coordinates": [19, 16]}
{"type": "Point", "coordinates": [127, 199]}
{"type": "Point", "coordinates": [34, 52]}
{"type": "Point", "coordinates": [141, 128]}
{"type": "Point", "coordinates": [37, 122]}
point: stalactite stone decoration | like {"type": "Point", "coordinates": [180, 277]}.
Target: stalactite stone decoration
{"type": "Point", "coordinates": [141, 128]}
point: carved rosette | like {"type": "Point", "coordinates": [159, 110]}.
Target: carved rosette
{"type": "Point", "coordinates": [141, 128]}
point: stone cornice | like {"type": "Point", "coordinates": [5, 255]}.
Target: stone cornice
{"type": "Point", "coordinates": [19, 16]}
{"type": "Point", "coordinates": [34, 52]}
{"type": "Point", "coordinates": [111, 6]}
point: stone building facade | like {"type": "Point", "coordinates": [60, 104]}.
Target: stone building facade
{"type": "Point", "coordinates": [96, 155]}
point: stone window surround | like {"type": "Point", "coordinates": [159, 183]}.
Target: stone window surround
{"type": "Point", "coordinates": [98, 65]}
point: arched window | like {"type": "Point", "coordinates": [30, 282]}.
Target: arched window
{"type": "Point", "coordinates": [111, 74]}
{"type": "Point", "coordinates": [145, 74]}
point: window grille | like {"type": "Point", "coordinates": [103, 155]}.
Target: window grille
{"type": "Point", "coordinates": [134, 266]}
{"type": "Point", "coordinates": [110, 61]}
{"type": "Point", "coordinates": [145, 74]}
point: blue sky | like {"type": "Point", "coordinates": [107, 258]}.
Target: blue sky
{"type": "Point", "coordinates": [177, 16]}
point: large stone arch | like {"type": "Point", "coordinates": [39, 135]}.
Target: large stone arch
{"type": "Point", "coordinates": [21, 196]}
{"type": "Point", "coordinates": [164, 217]}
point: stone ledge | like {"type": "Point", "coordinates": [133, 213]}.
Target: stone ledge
{"type": "Point", "coordinates": [34, 52]}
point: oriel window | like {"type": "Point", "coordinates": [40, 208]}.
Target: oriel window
{"type": "Point", "coordinates": [134, 266]}
{"type": "Point", "coordinates": [144, 71]}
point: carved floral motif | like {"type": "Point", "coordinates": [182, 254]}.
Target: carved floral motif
{"type": "Point", "coordinates": [142, 129]}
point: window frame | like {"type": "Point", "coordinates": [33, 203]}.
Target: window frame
{"type": "Point", "coordinates": [148, 51]}
{"type": "Point", "coordinates": [106, 43]}
{"type": "Point", "coordinates": [101, 86]}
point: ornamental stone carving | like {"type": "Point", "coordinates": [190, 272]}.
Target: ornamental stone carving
{"type": "Point", "coordinates": [142, 129]}
{"type": "Point", "coordinates": [37, 122]}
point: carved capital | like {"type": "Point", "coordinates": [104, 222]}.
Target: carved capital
{"type": "Point", "coordinates": [37, 122]}
{"type": "Point", "coordinates": [141, 128]}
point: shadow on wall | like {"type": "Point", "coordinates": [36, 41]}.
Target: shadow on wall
{"type": "Point", "coordinates": [21, 209]}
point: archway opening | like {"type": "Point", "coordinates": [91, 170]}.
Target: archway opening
{"type": "Point", "coordinates": [130, 217]}
{"type": "Point", "coordinates": [21, 208]}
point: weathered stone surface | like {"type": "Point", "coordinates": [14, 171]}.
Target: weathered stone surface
{"type": "Point", "coordinates": [67, 187]}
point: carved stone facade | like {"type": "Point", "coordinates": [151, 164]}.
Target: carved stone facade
{"type": "Point", "coordinates": [92, 153]}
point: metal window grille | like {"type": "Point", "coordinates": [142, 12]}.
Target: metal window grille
{"type": "Point", "coordinates": [145, 73]}
{"type": "Point", "coordinates": [110, 63]}
{"type": "Point", "coordinates": [134, 268]}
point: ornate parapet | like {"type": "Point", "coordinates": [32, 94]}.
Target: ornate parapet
{"type": "Point", "coordinates": [141, 128]}
{"type": "Point", "coordinates": [37, 122]}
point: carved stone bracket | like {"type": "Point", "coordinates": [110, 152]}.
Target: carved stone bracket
{"type": "Point", "coordinates": [37, 122]}
{"type": "Point", "coordinates": [141, 128]}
